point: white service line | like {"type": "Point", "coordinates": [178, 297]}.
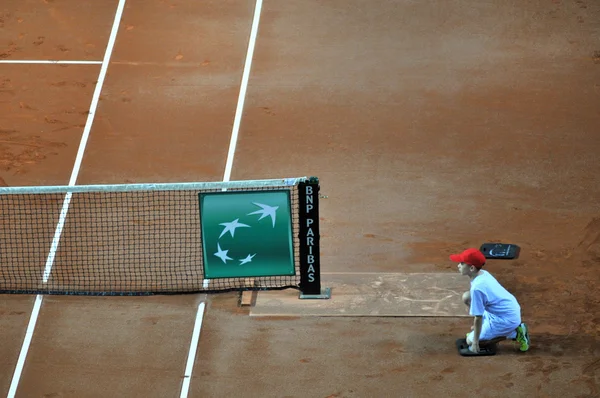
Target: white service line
{"type": "Point", "coordinates": [241, 98]}
{"type": "Point", "coordinates": [86, 131]}
{"type": "Point", "coordinates": [226, 177]}
{"type": "Point", "coordinates": [48, 61]}
{"type": "Point", "coordinates": [185, 388]}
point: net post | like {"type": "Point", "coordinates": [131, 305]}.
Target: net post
{"type": "Point", "coordinates": [309, 238]}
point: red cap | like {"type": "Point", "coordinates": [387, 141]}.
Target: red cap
{"type": "Point", "coordinates": [470, 256]}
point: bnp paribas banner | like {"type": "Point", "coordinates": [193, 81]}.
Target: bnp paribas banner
{"type": "Point", "coordinates": [246, 234]}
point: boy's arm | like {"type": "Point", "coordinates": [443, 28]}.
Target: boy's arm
{"type": "Point", "coordinates": [477, 309]}
{"type": "Point", "coordinates": [477, 324]}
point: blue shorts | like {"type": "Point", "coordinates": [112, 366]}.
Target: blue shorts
{"type": "Point", "coordinates": [493, 327]}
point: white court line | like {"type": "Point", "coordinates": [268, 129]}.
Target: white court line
{"type": "Point", "coordinates": [185, 388]}
{"type": "Point", "coordinates": [229, 164]}
{"type": "Point", "coordinates": [86, 131]}
{"type": "Point", "coordinates": [48, 61]}
{"type": "Point", "coordinates": [84, 138]}
{"type": "Point", "coordinates": [28, 335]}
{"type": "Point", "coordinates": [241, 98]}
{"type": "Point", "coordinates": [56, 238]}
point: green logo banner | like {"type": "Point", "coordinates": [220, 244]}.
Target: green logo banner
{"type": "Point", "coordinates": [246, 234]}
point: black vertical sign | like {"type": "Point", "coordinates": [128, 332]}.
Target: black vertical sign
{"type": "Point", "coordinates": [310, 264]}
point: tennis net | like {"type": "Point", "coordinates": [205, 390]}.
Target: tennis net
{"type": "Point", "coordinates": [129, 239]}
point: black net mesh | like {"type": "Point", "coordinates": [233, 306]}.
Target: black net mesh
{"type": "Point", "coordinates": [114, 243]}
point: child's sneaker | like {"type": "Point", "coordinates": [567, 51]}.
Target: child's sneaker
{"type": "Point", "coordinates": [523, 337]}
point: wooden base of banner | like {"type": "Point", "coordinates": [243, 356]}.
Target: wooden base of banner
{"type": "Point", "coordinates": [248, 296]}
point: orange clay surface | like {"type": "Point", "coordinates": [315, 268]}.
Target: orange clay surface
{"type": "Point", "coordinates": [433, 126]}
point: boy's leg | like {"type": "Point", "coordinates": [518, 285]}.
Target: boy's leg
{"type": "Point", "coordinates": [512, 335]}
{"type": "Point", "coordinates": [489, 332]}
{"type": "Point", "coordinates": [493, 331]}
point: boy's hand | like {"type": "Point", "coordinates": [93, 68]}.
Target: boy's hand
{"type": "Point", "coordinates": [474, 348]}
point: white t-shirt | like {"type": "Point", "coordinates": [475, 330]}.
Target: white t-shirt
{"type": "Point", "coordinates": [488, 295]}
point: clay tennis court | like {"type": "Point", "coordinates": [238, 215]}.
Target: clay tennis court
{"type": "Point", "coordinates": [432, 127]}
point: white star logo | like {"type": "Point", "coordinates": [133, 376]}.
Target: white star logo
{"type": "Point", "coordinates": [231, 226]}
{"type": "Point", "coordinates": [248, 259]}
{"type": "Point", "coordinates": [222, 254]}
{"type": "Point", "coordinates": [266, 211]}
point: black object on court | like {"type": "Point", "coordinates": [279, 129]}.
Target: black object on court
{"type": "Point", "coordinates": [500, 251]}
{"type": "Point", "coordinates": [463, 349]}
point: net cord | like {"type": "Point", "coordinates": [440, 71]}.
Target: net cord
{"type": "Point", "coordinates": [241, 184]}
